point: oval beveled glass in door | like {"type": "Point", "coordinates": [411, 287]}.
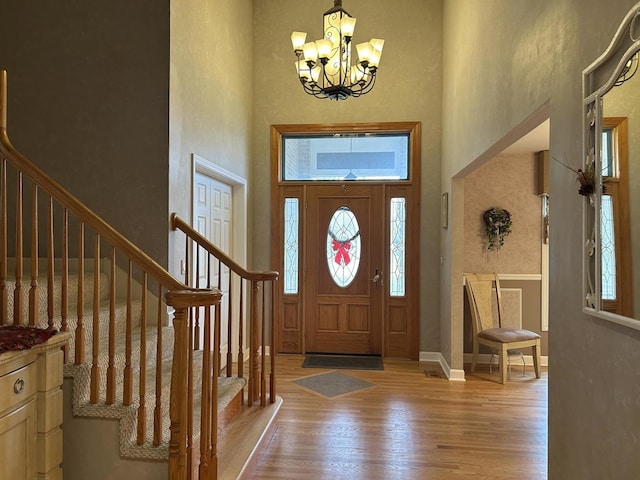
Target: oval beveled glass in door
{"type": "Point", "coordinates": [343, 246]}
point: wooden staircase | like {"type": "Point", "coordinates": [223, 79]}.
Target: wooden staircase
{"type": "Point", "coordinates": [169, 361]}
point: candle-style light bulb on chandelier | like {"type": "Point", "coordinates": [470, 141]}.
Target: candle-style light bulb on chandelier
{"type": "Point", "coordinates": [325, 66]}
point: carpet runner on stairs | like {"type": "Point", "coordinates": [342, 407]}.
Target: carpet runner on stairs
{"type": "Point", "coordinates": [228, 387]}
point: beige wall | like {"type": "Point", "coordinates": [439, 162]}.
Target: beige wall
{"type": "Point", "coordinates": [504, 61]}
{"type": "Point", "coordinates": [408, 89]}
{"type": "Point", "coordinates": [211, 105]}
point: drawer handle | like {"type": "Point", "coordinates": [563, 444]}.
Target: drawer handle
{"type": "Point", "coordinates": [18, 387]}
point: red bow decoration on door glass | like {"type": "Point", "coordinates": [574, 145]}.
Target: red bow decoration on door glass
{"type": "Point", "coordinates": [342, 251]}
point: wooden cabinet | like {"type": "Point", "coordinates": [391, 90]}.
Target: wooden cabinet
{"type": "Point", "coordinates": [31, 412]}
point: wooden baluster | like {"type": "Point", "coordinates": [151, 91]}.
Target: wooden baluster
{"type": "Point", "coordinates": [4, 294]}
{"type": "Point", "coordinates": [80, 330]}
{"type": "Point", "coordinates": [50, 263]}
{"type": "Point", "coordinates": [187, 268]}
{"type": "Point", "coordinates": [214, 401]}
{"type": "Point", "coordinates": [230, 328]}
{"type": "Point", "coordinates": [111, 369]}
{"type": "Point", "coordinates": [206, 402]}
{"type": "Point", "coordinates": [95, 368]}
{"type": "Point", "coordinates": [142, 409]}
{"type": "Point", "coordinates": [196, 333]}
{"type": "Point", "coordinates": [254, 365]}
{"type": "Point", "coordinates": [272, 347]}
{"type": "Point", "coordinates": [241, 333]}
{"type": "Point", "coordinates": [157, 413]}
{"type": "Point", "coordinates": [127, 389]}
{"type": "Point", "coordinates": [263, 353]}
{"type": "Point", "coordinates": [18, 300]}
{"type": "Point", "coordinates": [218, 324]}
{"type": "Point", "coordinates": [64, 306]}
{"type": "Point", "coordinates": [177, 408]}
{"type": "Point", "coordinates": [34, 296]}
{"type": "Point", "coordinates": [190, 389]}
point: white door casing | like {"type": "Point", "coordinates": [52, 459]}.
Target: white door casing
{"type": "Point", "coordinates": [219, 214]}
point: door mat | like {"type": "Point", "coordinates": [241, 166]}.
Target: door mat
{"type": "Point", "coordinates": [332, 384]}
{"type": "Point", "coordinates": [346, 362]}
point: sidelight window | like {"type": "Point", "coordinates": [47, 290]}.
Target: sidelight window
{"type": "Point", "coordinates": [397, 245]}
{"type": "Point", "coordinates": [291, 245]}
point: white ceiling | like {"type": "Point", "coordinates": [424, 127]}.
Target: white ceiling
{"type": "Point", "coordinates": [534, 141]}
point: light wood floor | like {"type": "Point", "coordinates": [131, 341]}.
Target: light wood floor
{"type": "Point", "coordinates": [410, 425]}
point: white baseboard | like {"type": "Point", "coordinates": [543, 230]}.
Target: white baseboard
{"type": "Point", "coordinates": [452, 374]}
{"type": "Point", "coordinates": [484, 358]}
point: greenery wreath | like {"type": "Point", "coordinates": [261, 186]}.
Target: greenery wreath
{"type": "Point", "coordinates": [498, 226]}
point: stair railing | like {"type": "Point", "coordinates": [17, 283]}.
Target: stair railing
{"type": "Point", "coordinates": [22, 186]}
{"type": "Point", "coordinates": [260, 310]}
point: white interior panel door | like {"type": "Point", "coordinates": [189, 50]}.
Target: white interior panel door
{"type": "Point", "coordinates": [212, 219]}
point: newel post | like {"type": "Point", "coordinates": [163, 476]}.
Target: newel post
{"type": "Point", "coordinates": [178, 395]}
{"type": "Point", "coordinates": [182, 301]}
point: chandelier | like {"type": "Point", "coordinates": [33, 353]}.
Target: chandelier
{"type": "Point", "coordinates": [325, 66]}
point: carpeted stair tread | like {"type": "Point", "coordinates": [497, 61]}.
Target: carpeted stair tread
{"type": "Point", "coordinates": [81, 373]}
{"type": "Point", "coordinates": [228, 387]}
{"type": "Point", "coordinates": [72, 292]}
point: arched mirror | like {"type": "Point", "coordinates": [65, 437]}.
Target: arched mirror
{"type": "Point", "coordinates": [611, 144]}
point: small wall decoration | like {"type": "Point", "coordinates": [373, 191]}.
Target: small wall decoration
{"type": "Point", "coordinates": [444, 210]}
{"type": "Point", "coordinates": [498, 226]}
{"type": "Point", "coordinates": [586, 178]}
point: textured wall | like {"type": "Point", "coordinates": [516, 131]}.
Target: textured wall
{"type": "Point", "coordinates": [88, 103]}
{"type": "Point", "coordinates": [408, 88]}
{"type": "Point", "coordinates": [503, 61]}
{"type": "Point", "coordinates": [211, 96]}
{"type": "Point", "coordinates": [506, 182]}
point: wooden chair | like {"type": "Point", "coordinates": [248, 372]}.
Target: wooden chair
{"type": "Point", "coordinates": [487, 332]}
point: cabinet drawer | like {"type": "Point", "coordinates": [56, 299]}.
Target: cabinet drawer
{"type": "Point", "coordinates": [17, 387]}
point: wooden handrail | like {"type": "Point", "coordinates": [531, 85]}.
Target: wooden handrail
{"type": "Point", "coordinates": [257, 276]}
{"type": "Point", "coordinates": [193, 306]}
{"type": "Point", "coordinates": [74, 205]}
{"type": "Point", "coordinates": [182, 297]}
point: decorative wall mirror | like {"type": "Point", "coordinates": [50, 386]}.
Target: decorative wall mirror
{"type": "Point", "coordinates": [611, 152]}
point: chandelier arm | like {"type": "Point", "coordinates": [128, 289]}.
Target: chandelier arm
{"type": "Point", "coordinates": [369, 86]}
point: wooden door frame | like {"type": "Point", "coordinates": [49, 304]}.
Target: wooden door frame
{"type": "Point", "coordinates": [400, 338]}
{"type": "Point", "coordinates": [619, 190]}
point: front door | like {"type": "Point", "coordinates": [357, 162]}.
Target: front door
{"type": "Point", "coordinates": [344, 258]}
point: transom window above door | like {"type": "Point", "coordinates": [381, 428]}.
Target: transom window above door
{"type": "Point", "coordinates": [345, 156]}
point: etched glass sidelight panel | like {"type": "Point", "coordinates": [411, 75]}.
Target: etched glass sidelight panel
{"type": "Point", "coordinates": [343, 246]}
{"type": "Point", "coordinates": [291, 245]}
{"type": "Point", "coordinates": [397, 247]}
